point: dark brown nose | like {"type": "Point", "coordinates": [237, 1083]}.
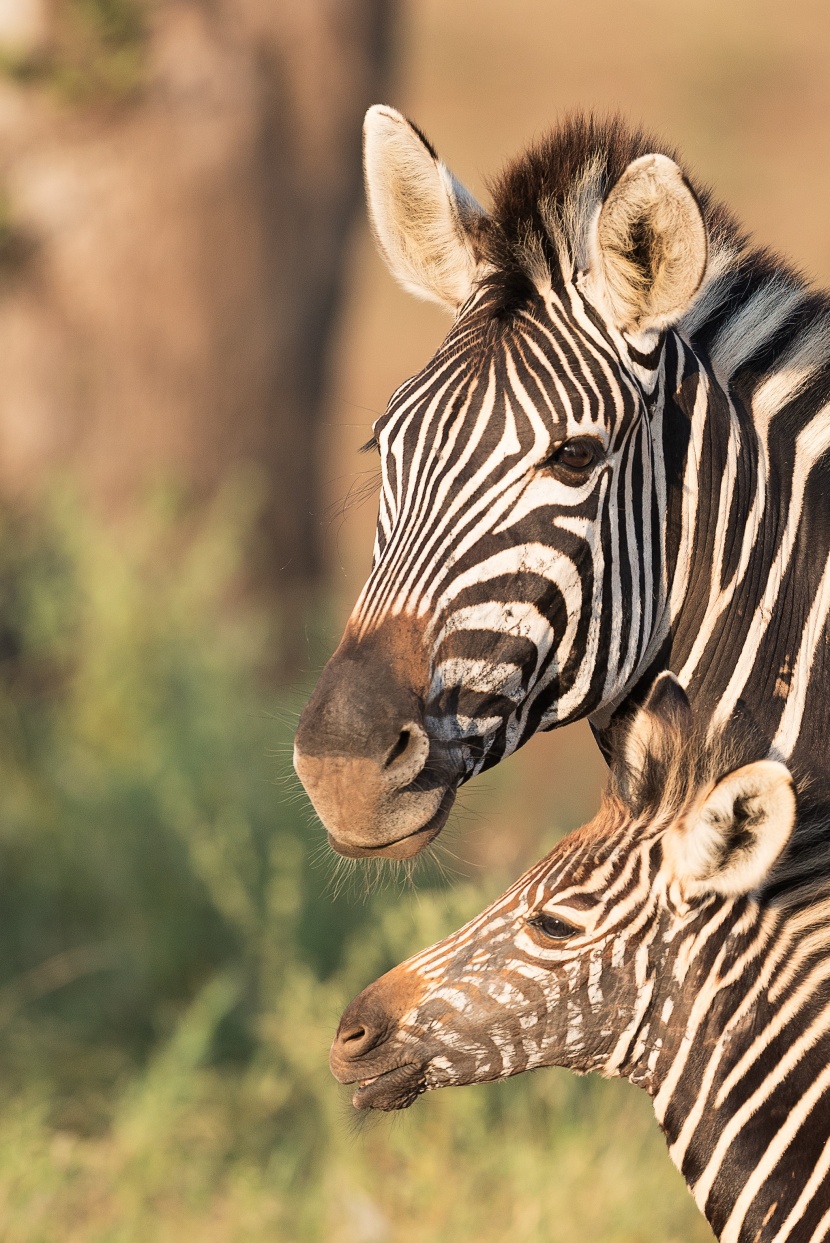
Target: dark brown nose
{"type": "Point", "coordinates": [369, 1051]}
{"type": "Point", "coordinates": [364, 755]}
{"type": "Point", "coordinates": [363, 1029]}
{"type": "Point", "coordinates": [361, 708]}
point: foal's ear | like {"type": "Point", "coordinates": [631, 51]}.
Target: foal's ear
{"type": "Point", "coordinates": [649, 247]}
{"type": "Point", "coordinates": [731, 840]}
{"type": "Point", "coordinates": [658, 726]}
{"type": "Point", "coordinates": [423, 220]}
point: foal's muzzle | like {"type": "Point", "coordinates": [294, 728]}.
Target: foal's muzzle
{"type": "Point", "coordinates": [369, 1052]}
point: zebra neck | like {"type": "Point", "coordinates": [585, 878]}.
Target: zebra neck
{"type": "Point", "coordinates": [748, 535]}
{"type": "Point", "coordinates": [739, 1072]}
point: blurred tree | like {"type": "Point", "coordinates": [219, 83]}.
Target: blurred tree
{"type": "Point", "coordinates": [177, 185]}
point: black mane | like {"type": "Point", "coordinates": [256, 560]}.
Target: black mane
{"type": "Point", "coordinates": [541, 183]}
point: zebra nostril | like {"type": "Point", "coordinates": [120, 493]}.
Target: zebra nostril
{"type": "Point", "coordinates": [399, 748]}
{"type": "Point", "coordinates": [407, 756]}
{"type": "Point", "coordinates": [357, 1033]}
{"type": "Point", "coordinates": [356, 1039]}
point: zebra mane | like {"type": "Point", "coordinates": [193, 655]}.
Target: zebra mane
{"type": "Point", "coordinates": [544, 201]}
{"type": "Point", "coordinates": [756, 315]}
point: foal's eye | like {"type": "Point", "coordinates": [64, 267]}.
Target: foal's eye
{"type": "Point", "coordinates": [574, 458]}
{"type": "Point", "coordinates": [552, 927]}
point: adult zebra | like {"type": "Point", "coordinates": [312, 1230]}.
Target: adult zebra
{"type": "Point", "coordinates": [680, 941]}
{"type": "Point", "coordinates": [616, 463]}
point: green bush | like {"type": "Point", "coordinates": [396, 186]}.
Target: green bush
{"type": "Point", "coordinates": [173, 961]}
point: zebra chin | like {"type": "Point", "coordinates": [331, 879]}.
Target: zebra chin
{"type": "Point", "coordinates": [391, 1090]}
{"type": "Point", "coordinates": [411, 843]}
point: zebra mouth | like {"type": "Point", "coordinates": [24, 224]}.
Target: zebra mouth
{"type": "Point", "coordinates": [393, 1089]}
{"type": "Point", "coordinates": [402, 847]}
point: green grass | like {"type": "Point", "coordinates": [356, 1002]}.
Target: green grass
{"type": "Point", "coordinates": [173, 962]}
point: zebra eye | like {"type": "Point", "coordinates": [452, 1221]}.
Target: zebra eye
{"type": "Point", "coordinates": [552, 928]}
{"type": "Point", "coordinates": [576, 456]}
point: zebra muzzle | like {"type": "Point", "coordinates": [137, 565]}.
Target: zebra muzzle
{"type": "Point", "coordinates": [379, 781]}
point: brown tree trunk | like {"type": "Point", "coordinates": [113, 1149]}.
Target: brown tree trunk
{"type": "Point", "coordinates": [171, 264]}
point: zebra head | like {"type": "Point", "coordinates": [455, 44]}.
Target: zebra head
{"type": "Point", "coordinates": [652, 944]}
{"type": "Point", "coordinates": [520, 568]}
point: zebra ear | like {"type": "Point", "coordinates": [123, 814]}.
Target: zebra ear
{"type": "Point", "coordinates": [649, 247]}
{"type": "Point", "coordinates": [663, 720]}
{"type": "Point", "coordinates": [730, 842]}
{"type": "Point", "coordinates": [424, 221]}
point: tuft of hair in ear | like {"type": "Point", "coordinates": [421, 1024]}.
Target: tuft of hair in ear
{"type": "Point", "coordinates": [423, 219]}
{"type": "Point", "coordinates": [649, 248]}
{"type": "Point", "coordinates": [732, 837]}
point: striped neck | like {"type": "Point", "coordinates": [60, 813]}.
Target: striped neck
{"type": "Point", "coordinates": [736, 1061]}
{"type": "Point", "coordinates": [746, 587]}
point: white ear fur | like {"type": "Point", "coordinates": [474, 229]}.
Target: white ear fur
{"type": "Point", "coordinates": [422, 218]}
{"type": "Point", "coordinates": [730, 841]}
{"type": "Point", "coordinates": [648, 249]}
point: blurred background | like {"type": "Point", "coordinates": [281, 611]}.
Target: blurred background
{"type": "Point", "coordinates": [195, 336]}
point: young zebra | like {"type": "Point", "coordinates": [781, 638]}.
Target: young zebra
{"type": "Point", "coordinates": [679, 940]}
{"type": "Point", "coordinates": [616, 463]}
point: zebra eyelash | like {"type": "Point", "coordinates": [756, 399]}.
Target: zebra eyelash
{"type": "Point", "coordinates": [370, 446]}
